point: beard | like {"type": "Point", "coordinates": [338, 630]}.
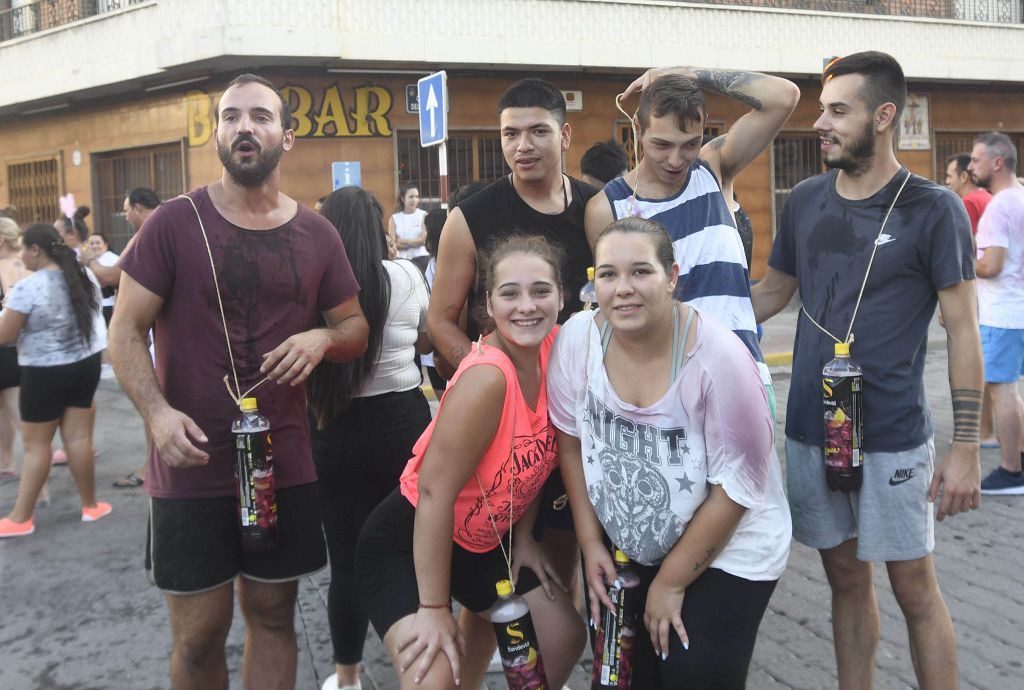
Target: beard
{"type": "Point", "coordinates": [252, 173]}
{"type": "Point", "coordinates": [857, 154]}
{"type": "Point", "coordinates": [983, 182]}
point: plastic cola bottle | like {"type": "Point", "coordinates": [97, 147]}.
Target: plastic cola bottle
{"type": "Point", "coordinates": [517, 641]}
{"type": "Point", "coordinates": [842, 386]}
{"type": "Point", "coordinates": [588, 293]}
{"type": "Point", "coordinates": [254, 479]}
{"type": "Point", "coordinates": [616, 637]}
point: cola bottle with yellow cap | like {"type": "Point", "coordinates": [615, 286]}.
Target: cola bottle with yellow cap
{"type": "Point", "coordinates": [254, 479]}
{"type": "Point", "coordinates": [616, 636]}
{"type": "Point", "coordinates": [842, 382]}
{"type": "Point", "coordinates": [517, 640]}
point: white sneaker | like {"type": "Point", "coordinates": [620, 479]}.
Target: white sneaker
{"type": "Point", "coordinates": [332, 684]}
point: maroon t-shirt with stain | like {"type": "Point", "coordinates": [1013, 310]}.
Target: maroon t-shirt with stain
{"type": "Point", "coordinates": [274, 284]}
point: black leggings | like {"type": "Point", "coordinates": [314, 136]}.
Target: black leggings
{"type": "Point", "coordinates": [359, 457]}
{"type": "Point", "coordinates": [721, 614]}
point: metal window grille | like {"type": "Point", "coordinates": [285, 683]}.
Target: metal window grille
{"type": "Point", "coordinates": [21, 18]}
{"type": "Point", "coordinates": [35, 189]}
{"type": "Point", "coordinates": [471, 156]}
{"type": "Point", "coordinates": [796, 156]}
{"type": "Point", "coordinates": [117, 172]}
{"type": "Point", "coordinates": [951, 143]}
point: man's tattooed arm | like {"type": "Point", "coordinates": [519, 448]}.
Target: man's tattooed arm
{"type": "Point", "coordinates": [731, 83]}
{"type": "Point", "coordinates": [966, 415]}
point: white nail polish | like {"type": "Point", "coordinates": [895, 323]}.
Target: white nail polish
{"type": "Point", "coordinates": [617, 584]}
{"type": "Point", "coordinates": [686, 646]}
{"type": "Point", "coordinates": [664, 656]}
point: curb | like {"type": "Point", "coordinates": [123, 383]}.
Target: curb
{"type": "Point", "coordinates": [779, 359]}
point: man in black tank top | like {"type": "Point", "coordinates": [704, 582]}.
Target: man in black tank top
{"type": "Point", "coordinates": [535, 199]}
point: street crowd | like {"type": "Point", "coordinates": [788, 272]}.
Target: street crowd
{"type": "Point", "coordinates": [625, 408]}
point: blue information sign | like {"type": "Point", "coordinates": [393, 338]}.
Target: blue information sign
{"type": "Point", "coordinates": [432, 96]}
{"type": "Point", "coordinates": [346, 174]}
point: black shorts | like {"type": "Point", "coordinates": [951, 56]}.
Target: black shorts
{"type": "Point", "coordinates": [386, 571]}
{"type": "Point", "coordinates": [194, 544]}
{"type": "Point", "coordinates": [554, 512]}
{"type": "Point", "coordinates": [10, 372]}
{"type": "Point", "coordinates": [108, 312]}
{"type": "Point", "coordinates": [47, 391]}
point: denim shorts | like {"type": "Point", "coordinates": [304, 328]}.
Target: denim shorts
{"type": "Point", "coordinates": [1004, 354]}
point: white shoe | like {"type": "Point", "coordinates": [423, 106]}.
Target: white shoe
{"type": "Point", "coordinates": [106, 371]}
{"type": "Point", "coordinates": [332, 684]}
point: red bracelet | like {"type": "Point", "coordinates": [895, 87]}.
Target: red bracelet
{"type": "Point", "coordinates": [446, 605]}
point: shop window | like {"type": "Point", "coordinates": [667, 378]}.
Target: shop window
{"type": "Point", "coordinates": [115, 173]}
{"type": "Point", "coordinates": [795, 157]}
{"type": "Point", "coordinates": [472, 156]}
{"type": "Point", "coordinates": [34, 189]}
{"type": "Point", "coordinates": [951, 143]}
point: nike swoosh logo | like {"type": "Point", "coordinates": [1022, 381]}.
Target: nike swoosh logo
{"type": "Point", "coordinates": [884, 240]}
{"type": "Point", "coordinates": [897, 482]}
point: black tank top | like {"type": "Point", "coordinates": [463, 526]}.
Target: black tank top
{"type": "Point", "coordinates": [498, 211]}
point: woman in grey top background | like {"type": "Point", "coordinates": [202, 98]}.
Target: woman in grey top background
{"type": "Point", "coordinates": [55, 317]}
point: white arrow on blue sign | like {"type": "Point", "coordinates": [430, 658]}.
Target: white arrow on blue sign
{"type": "Point", "coordinates": [432, 93]}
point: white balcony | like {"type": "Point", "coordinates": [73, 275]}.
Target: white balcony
{"type": "Point", "coordinates": [69, 49]}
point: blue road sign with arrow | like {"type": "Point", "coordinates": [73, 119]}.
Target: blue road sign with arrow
{"type": "Point", "coordinates": [432, 92]}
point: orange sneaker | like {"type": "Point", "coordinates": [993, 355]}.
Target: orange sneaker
{"type": "Point", "coordinates": [10, 528]}
{"type": "Point", "coordinates": [100, 510]}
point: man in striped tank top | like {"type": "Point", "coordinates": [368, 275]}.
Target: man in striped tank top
{"type": "Point", "coordinates": [679, 183]}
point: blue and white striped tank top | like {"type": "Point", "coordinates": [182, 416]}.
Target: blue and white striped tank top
{"type": "Point", "coordinates": [713, 272]}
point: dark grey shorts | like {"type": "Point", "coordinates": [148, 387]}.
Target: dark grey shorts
{"type": "Point", "coordinates": [890, 516]}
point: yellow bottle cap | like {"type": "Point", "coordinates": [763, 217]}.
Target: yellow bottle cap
{"type": "Point", "coordinates": [590, 272]}
{"type": "Point", "coordinates": [503, 588]}
{"type": "Point", "coordinates": [248, 404]}
{"type": "Point", "coordinates": [842, 349]}
{"type": "Point", "coordinates": [620, 557]}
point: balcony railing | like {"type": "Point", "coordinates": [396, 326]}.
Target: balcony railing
{"type": "Point", "coordinates": [28, 17]}
{"type": "Point", "coordinates": [992, 11]}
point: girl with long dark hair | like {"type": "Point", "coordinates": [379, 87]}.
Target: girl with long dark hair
{"type": "Point", "coordinates": [73, 231]}
{"type": "Point", "coordinates": [55, 317]}
{"type": "Point", "coordinates": [367, 413]}
{"type": "Point", "coordinates": [405, 226]}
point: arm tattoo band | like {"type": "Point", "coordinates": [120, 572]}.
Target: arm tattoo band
{"type": "Point", "coordinates": [966, 415]}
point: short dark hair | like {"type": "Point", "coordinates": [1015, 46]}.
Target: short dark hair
{"type": "Point", "coordinates": [534, 93]}
{"type": "Point", "coordinates": [672, 94]}
{"type": "Point", "coordinates": [962, 161]}
{"type": "Point", "coordinates": [465, 191]}
{"type": "Point", "coordinates": [883, 77]}
{"type": "Point", "coordinates": [1000, 146]}
{"type": "Point", "coordinates": [143, 196]}
{"type": "Point", "coordinates": [242, 80]}
{"type": "Point", "coordinates": [604, 161]}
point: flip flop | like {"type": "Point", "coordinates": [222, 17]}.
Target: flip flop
{"type": "Point", "coordinates": [989, 444]}
{"type": "Point", "coordinates": [131, 481]}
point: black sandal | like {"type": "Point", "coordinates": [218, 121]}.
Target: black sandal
{"type": "Point", "coordinates": [132, 481]}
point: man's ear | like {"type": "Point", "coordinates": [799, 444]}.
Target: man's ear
{"type": "Point", "coordinates": [885, 117]}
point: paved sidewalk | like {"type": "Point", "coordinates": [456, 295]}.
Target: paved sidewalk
{"type": "Point", "coordinates": [78, 613]}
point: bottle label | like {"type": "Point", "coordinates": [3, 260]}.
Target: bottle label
{"type": "Point", "coordinates": [254, 465]}
{"type": "Point", "coordinates": [520, 654]}
{"type": "Point", "coordinates": [843, 399]}
{"type": "Point", "coordinates": [613, 660]}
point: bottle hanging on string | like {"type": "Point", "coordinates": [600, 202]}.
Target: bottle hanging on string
{"type": "Point", "coordinates": [517, 641]}
{"type": "Point", "coordinates": [588, 293]}
{"type": "Point", "coordinates": [616, 636]}
{"type": "Point", "coordinates": [842, 386]}
{"type": "Point", "coordinates": [254, 479]}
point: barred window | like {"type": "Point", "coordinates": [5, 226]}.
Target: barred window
{"type": "Point", "coordinates": [35, 189]}
{"type": "Point", "coordinates": [795, 156]}
{"type": "Point", "coordinates": [471, 156]}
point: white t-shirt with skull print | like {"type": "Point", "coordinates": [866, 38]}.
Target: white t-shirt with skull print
{"type": "Point", "coordinates": [649, 469]}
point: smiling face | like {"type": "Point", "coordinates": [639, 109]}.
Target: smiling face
{"type": "Point", "coordinates": [633, 289]}
{"type": "Point", "coordinates": [411, 200]}
{"type": "Point", "coordinates": [846, 126]}
{"type": "Point", "coordinates": [250, 137]}
{"type": "Point", "coordinates": [668, 150]}
{"type": "Point", "coordinates": [533, 143]}
{"type": "Point", "coordinates": [97, 244]}
{"type": "Point", "coordinates": [524, 299]}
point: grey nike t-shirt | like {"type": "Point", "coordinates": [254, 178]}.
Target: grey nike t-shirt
{"type": "Point", "coordinates": [826, 241]}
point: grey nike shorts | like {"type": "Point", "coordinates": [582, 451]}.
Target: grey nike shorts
{"type": "Point", "coordinates": [890, 516]}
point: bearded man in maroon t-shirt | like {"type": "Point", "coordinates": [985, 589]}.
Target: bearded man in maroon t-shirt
{"type": "Point", "coordinates": [276, 268]}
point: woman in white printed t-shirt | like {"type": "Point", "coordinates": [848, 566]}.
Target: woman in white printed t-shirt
{"type": "Point", "coordinates": [666, 448]}
{"type": "Point", "coordinates": [406, 227]}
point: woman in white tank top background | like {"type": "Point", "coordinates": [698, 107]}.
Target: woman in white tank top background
{"type": "Point", "coordinates": [406, 227]}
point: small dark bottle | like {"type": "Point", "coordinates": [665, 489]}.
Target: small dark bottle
{"type": "Point", "coordinates": [842, 386]}
{"type": "Point", "coordinates": [517, 641]}
{"type": "Point", "coordinates": [616, 637]}
{"type": "Point", "coordinates": [254, 479]}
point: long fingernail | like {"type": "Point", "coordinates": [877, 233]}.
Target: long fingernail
{"type": "Point", "coordinates": [664, 656]}
{"type": "Point", "coordinates": [686, 646]}
{"type": "Point", "coordinates": [591, 622]}
{"type": "Point", "coordinates": [617, 583]}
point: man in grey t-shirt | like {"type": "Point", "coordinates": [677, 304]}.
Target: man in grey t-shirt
{"type": "Point", "coordinates": [871, 214]}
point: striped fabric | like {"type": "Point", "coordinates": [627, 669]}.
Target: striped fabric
{"type": "Point", "coordinates": [713, 272]}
